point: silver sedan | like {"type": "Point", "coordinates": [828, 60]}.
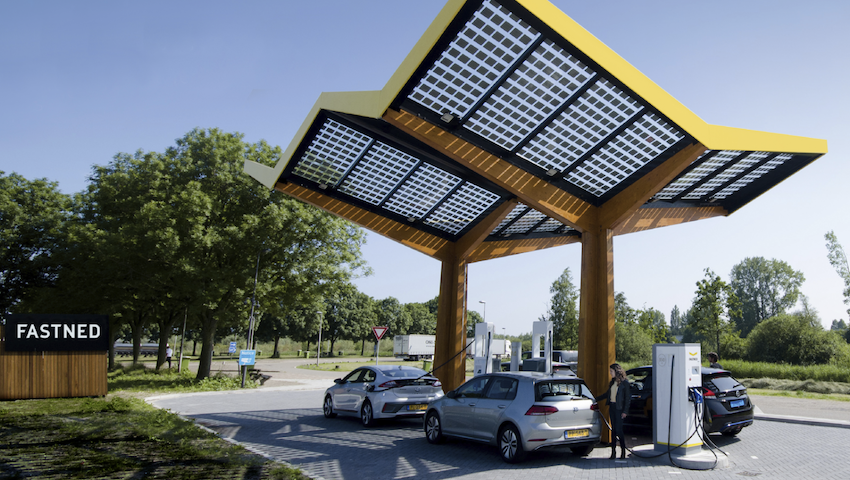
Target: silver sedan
{"type": "Point", "coordinates": [390, 391]}
{"type": "Point", "coordinates": [518, 412]}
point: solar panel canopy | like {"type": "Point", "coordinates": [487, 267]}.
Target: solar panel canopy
{"type": "Point", "coordinates": [522, 84]}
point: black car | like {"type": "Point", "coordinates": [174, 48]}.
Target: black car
{"type": "Point", "coordinates": [728, 408]}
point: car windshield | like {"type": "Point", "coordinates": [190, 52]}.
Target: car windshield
{"type": "Point", "coordinates": [723, 382]}
{"type": "Point", "coordinates": [403, 372]}
{"type": "Point", "coordinates": [551, 388]}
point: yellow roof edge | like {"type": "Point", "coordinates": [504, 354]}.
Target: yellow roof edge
{"type": "Point", "coordinates": [719, 137]}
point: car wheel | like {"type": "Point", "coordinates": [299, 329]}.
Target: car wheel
{"type": "Point", "coordinates": [433, 429]}
{"type": "Point", "coordinates": [582, 451]}
{"type": "Point", "coordinates": [366, 414]}
{"type": "Point", "coordinates": [510, 444]}
{"type": "Point", "coordinates": [328, 407]}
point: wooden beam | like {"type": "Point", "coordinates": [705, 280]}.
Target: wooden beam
{"type": "Point", "coordinates": [632, 197]}
{"type": "Point", "coordinates": [505, 248]}
{"type": "Point", "coordinates": [649, 218]}
{"type": "Point", "coordinates": [469, 242]}
{"type": "Point", "coordinates": [450, 341]}
{"type": "Point", "coordinates": [418, 240]}
{"type": "Point", "coordinates": [596, 347]}
{"type": "Point", "coordinates": [531, 190]}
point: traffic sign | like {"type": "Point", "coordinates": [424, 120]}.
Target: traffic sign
{"type": "Point", "coordinates": [379, 331]}
{"type": "Point", "coordinates": [247, 357]}
{"type": "Point", "coordinates": [232, 348]}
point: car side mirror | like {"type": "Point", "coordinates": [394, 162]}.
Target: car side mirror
{"type": "Point", "coordinates": [338, 381]}
{"type": "Point", "coordinates": [452, 394]}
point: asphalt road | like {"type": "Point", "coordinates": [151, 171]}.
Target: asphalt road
{"type": "Point", "coordinates": [283, 420]}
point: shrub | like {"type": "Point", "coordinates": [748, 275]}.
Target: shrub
{"type": "Point", "coordinates": [794, 340]}
{"type": "Point", "coordinates": [633, 344]}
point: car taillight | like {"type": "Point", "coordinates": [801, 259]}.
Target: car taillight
{"type": "Point", "coordinates": [708, 393]}
{"type": "Point", "coordinates": [541, 410]}
{"type": "Point", "coordinates": [390, 384]}
{"type": "Point", "coordinates": [594, 407]}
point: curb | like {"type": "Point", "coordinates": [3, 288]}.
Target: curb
{"type": "Point", "coordinates": [819, 422]}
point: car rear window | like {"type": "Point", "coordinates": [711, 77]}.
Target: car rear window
{"type": "Point", "coordinates": [405, 372]}
{"type": "Point", "coordinates": [559, 388]}
{"type": "Point", "coordinates": [723, 382]}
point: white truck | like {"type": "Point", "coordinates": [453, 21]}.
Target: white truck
{"type": "Point", "coordinates": [414, 347]}
{"type": "Point", "coordinates": [499, 347]}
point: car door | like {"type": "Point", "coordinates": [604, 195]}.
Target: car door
{"type": "Point", "coordinates": [457, 412]}
{"type": "Point", "coordinates": [360, 390]}
{"type": "Point", "coordinates": [344, 398]}
{"type": "Point", "coordinates": [640, 408]}
{"type": "Point", "coordinates": [487, 412]}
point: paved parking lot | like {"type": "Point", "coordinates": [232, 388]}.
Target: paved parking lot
{"type": "Point", "coordinates": [286, 423]}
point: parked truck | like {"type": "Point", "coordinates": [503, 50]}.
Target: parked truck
{"type": "Point", "coordinates": [414, 347]}
{"type": "Point", "coordinates": [499, 347]}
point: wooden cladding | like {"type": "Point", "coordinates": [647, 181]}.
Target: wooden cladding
{"type": "Point", "coordinates": [26, 375]}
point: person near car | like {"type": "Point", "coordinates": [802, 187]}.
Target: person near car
{"type": "Point", "coordinates": [712, 360]}
{"type": "Point", "coordinates": [168, 353]}
{"type": "Point", "coordinates": [618, 397]}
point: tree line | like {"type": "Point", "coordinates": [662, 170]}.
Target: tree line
{"type": "Point", "coordinates": [747, 318]}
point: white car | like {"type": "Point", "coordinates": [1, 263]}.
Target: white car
{"type": "Point", "coordinates": [391, 391]}
{"type": "Point", "coordinates": [518, 412]}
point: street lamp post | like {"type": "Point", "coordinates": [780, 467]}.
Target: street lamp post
{"type": "Point", "coordinates": [251, 317]}
{"type": "Point", "coordinates": [319, 344]}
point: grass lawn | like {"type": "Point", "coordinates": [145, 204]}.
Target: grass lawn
{"type": "Point", "coordinates": [121, 436]}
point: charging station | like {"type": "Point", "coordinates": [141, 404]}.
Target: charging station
{"type": "Point", "coordinates": [482, 362]}
{"type": "Point", "coordinates": [677, 378]}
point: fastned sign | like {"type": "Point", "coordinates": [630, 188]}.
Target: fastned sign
{"type": "Point", "coordinates": [57, 333]}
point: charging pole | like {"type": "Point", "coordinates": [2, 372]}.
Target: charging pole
{"type": "Point", "coordinates": [676, 368]}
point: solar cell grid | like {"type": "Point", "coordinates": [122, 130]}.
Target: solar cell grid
{"type": "Point", "coordinates": [378, 173]}
{"type": "Point", "coordinates": [334, 148]}
{"type": "Point", "coordinates": [421, 191]}
{"type": "Point", "coordinates": [460, 209]}
{"type": "Point", "coordinates": [524, 224]}
{"type": "Point", "coordinates": [488, 44]}
{"type": "Point", "coordinates": [752, 176]}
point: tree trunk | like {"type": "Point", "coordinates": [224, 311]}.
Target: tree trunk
{"type": "Point", "coordinates": [276, 353]}
{"type": "Point", "coordinates": [208, 326]}
{"type": "Point", "coordinates": [363, 347]}
{"type": "Point", "coordinates": [165, 326]}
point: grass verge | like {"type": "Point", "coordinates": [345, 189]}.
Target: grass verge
{"type": "Point", "coordinates": [123, 437]}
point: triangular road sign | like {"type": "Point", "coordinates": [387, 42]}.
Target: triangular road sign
{"type": "Point", "coordinates": [379, 331]}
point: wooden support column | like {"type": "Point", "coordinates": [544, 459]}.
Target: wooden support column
{"type": "Point", "coordinates": [451, 325]}
{"type": "Point", "coordinates": [596, 349]}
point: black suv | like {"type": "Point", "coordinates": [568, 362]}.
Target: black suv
{"type": "Point", "coordinates": [727, 406]}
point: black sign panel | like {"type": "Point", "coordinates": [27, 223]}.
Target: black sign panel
{"type": "Point", "coordinates": [57, 333]}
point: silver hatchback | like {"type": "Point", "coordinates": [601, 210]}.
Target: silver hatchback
{"type": "Point", "coordinates": [518, 412]}
{"type": "Point", "coordinates": [390, 391]}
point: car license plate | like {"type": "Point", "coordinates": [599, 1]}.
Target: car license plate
{"type": "Point", "coordinates": [736, 403]}
{"type": "Point", "coordinates": [417, 407]}
{"type": "Point", "coordinates": [576, 433]}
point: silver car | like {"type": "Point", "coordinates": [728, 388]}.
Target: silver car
{"type": "Point", "coordinates": [519, 412]}
{"type": "Point", "coordinates": [390, 391]}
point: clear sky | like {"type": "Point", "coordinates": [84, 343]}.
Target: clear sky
{"type": "Point", "coordinates": [81, 81]}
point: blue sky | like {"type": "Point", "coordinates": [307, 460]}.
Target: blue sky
{"type": "Point", "coordinates": [82, 81]}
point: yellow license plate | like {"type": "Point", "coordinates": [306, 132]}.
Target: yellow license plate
{"type": "Point", "coordinates": [576, 433]}
{"type": "Point", "coordinates": [417, 407]}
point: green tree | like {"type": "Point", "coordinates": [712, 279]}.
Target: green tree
{"type": "Point", "coordinates": [349, 315]}
{"type": "Point", "coordinates": [715, 310]}
{"type": "Point", "coordinates": [793, 339]}
{"type": "Point", "coordinates": [633, 344]}
{"type": "Point", "coordinates": [677, 321]}
{"type": "Point", "coordinates": [838, 260]}
{"type": "Point", "coordinates": [33, 215]}
{"type": "Point", "coordinates": [652, 322]}
{"type": "Point", "coordinates": [422, 320]}
{"type": "Point", "coordinates": [473, 318]}
{"type": "Point", "coordinates": [391, 313]}
{"type": "Point", "coordinates": [766, 288]}
{"type": "Point", "coordinates": [623, 313]}
{"type": "Point", "coordinates": [563, 311]}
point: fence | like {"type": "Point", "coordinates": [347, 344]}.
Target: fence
{"type": "Point", "coordinates": [25, 375]}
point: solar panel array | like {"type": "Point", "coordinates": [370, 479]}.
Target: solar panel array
{"type": "Point", "coordinates": [525, 94]}
{"type": "Point", "coordinates": [343, 160]}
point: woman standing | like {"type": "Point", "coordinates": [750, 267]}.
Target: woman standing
{"type": "Point", "coordinates": [618, 396]}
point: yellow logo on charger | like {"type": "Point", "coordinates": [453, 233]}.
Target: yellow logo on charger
{"type": "Point", "coordinates": [692, 354]}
